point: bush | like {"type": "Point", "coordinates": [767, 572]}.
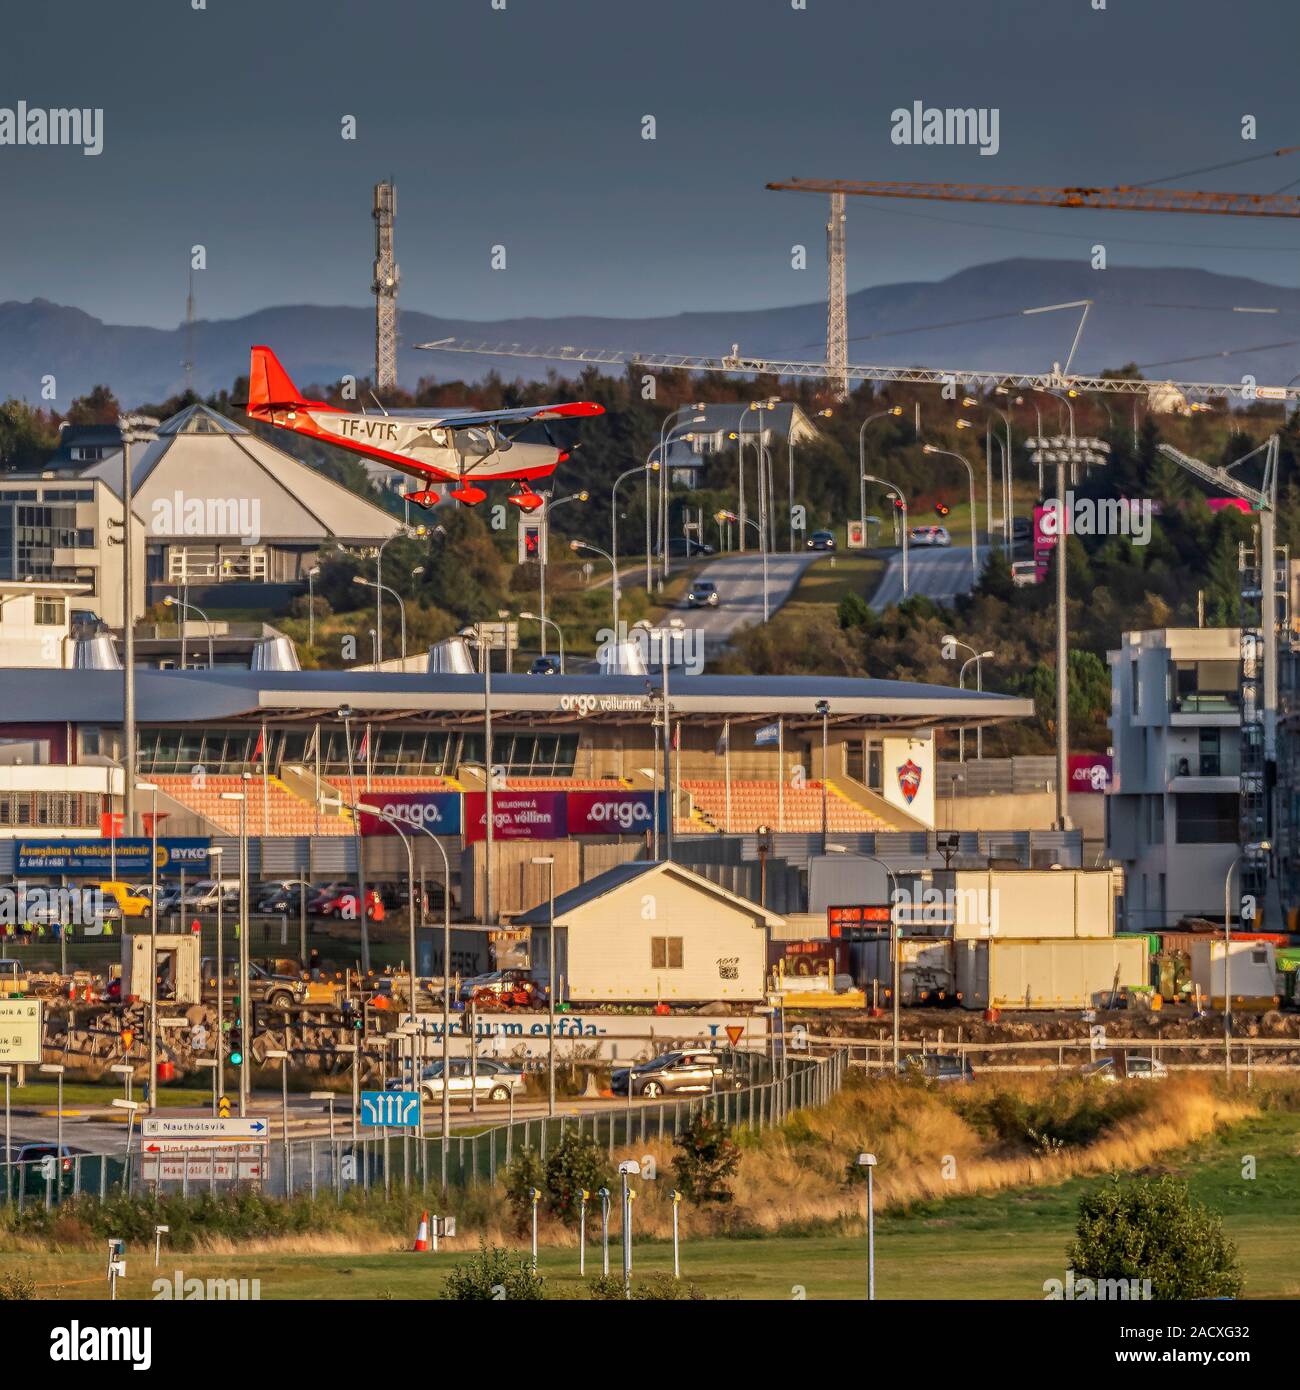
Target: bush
{"type": "Point", "coordinates": [494, 1274]}
{"type": "Point", "coordinates": [656, 1287]}
{"type": "Point", "coordinates": [576, 1162]}
{"type": "Point", "coordinates": [522, 1174]}
{"type": "Point", "coordinates": [1153, 1229]}
{"type": "Point", "coordinates": [16, 1286]}
{"type": "Point", "coordinates": [705, 1161]}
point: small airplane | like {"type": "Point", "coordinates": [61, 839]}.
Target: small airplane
{"type": "Point", "coordinates": [465, 447]}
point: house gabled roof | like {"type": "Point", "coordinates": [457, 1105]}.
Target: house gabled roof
{"type": "Point", "coordinates": [202, 456]}
{"type": "Point", "coordinates": [613, 879]}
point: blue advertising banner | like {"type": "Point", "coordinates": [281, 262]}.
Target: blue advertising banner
{"type": "Point", "coordinates": [436, 811]}
{"type": "Point", "coordinates": [127, 856]}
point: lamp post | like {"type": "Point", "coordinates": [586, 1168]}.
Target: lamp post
{"type": "Point", "coordinates": [311, 605]}
{"type": "Point", "coordinates": [153, 944]}
{"type": "Point", "coordinates": [651, 465]}
{"type": "Point", "coordinates": [628, 1168]}
{"type": "Point", "coordinates": [824, 709]}
{"type": "Point", "coordinates": [902, 502]}
{"type": "Point", "coordinates": [789, 469]}
{"type": "Point", "coordinates": [215, 852]}
{"type": "Point", "coordinates": [282, 1056]}
{"type": "Point", "coordinates": [868, 1161]}
{"type": "Point", "coordinates": [1249, 851]}
{"type": "Point", "coordinates": [56, 1069]}
{"type": "Point", "coordinates": [171, 601]}
{"type": "Point", "coordinates": [489, 829]}
{"type": "Point", "coordinates": [345, 714]}
{"type": "Point", "coordinates": [664, 437]}
{"type": "Point", "coordinates": [549, 861]}
{"type": "Point", "coordinates": [244, 1038]}
{"type": "Point", "coordinates": [388, 589]}
{"type": "Point", "coordinates": [134, 429]}
{"type": "Point", "coordinates": [978, 658]}
{"type": "Point", "coordinates": [545, 623]}
{"type": "Point", "coordinates": [974, 520]}
{"type": "Point", "coordinates": [544, 554]}
{"type": "Point", "coordinates": [410, 534]}
{"type": "Point", "coordinates": [613, 580]}
{"type": "Point", "coordinates": [862, 457]}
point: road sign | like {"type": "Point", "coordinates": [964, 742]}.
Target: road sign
{"type": "Point", "coordinates": [390, 1109]}
{"type": "Point", "coordinates": [201, 1168]}
{"type": "Point", "coordinates": [856, 539]}
{"type": "Point", "coordinates": [205, 1127]}
{"type": "Point", "coordinates": [223, 1108]}
{"type": "Point", "coordinates": [20, 1031]}
{"type": "Point", "coordinates": [735, 1031]}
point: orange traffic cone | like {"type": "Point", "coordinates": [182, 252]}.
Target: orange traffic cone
{"type": "Point", "coordinates": [422, 1233]}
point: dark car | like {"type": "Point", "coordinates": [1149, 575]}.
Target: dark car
{"type": "Point", "coordinates": [29, 1158]}
{"type": "Point", "coordinates": [937, 1066]}
{"type": "Point", "coordinates": [821, 540]}
{"type": "Point", "coordinates": [676, 1073]}
{"type": "Point", "coordinates": [544, 666]}
{"type": "Point", "coordinates": [703, 594]}
{"type": "Point", "coordinates": [279, 991]}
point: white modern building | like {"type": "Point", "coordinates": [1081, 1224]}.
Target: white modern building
{"type": "Point", "coordinates": [1172, 811]}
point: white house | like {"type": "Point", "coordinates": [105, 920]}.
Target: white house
{"type": "Point", "coordinates": [650, 932]}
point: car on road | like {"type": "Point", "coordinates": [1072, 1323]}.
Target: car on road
{"type": "Point", "coordinates": [929, 535]}
{"type": "Point", "coordinates": [1024, 573]}
{"type": "Point", "coordinates": [937, 1066]}
{"type": "Point", "coordinates": [544, 666]}
{"type": "Point", "coordinates": [130, 902]}
{"type": "Point", "coordinates": [703, 594]}
{"type": "Point", "coordinates": [684, 548]}
{"type": "Point", "coordinates": [487, 1078]}
{"type": "Point", "coordinates": [676, 1073]}
{"type": "Point", "coordinates": [822, 540]}
{"type": "Point", "coordinates": [264, 987]}
{"type": "Point", "coordinates": [1112, 1070]}
{"type": "Point", "coordinates": [341, 901]}
{"type": "Point", "coordinates": [30, 1157]}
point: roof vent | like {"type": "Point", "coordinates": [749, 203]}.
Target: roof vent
{"type": "Point", "coordinates": [95, 654]}
{"type": "Point", "coordinates": [450, 657]}
{"type": "Point", "coordinates": [274, 654]}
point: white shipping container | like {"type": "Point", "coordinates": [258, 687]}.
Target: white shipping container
{"type": "Point", "coordinates": [1055, 974]}
{"type": "Point", "coordinates": [177, 965]}
{"type": "Point", "coordinates": [1028, 904]}
{"type": "Point", "coordinates": [1252, 973]}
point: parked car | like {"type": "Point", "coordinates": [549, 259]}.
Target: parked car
{"type": "Point", "coordinates": [279, 897]}
{"type": "Point", "coordinates": [264, 987]}
{"type": "Point", "coordinates": [30, 1156]}
{"type": "Point", "coordinates": [13, 978]}
{"type": "Point", "coordinates": [129, 901]}
{"type": "Point", "coordinates": [821, 540]}
{"type": "Point", "coordinates": [544, 666]}
{"type": "Point", "coordinates": [488, 1078]}
{"type": "Point", "coordinates": [502, 989]}
{"type": "Point", "coordinates": [1111, 1069]}
{"type": "Point", "coordinates": [703, 594]}
{"type": "Point", "coordinates": [1024, 573]}
{"type": "Point", "coordinates": [341, 902]}
{"type": "Point", "coordinates": [929, 535]}
{"type": "Point", "coordinates": [676, 1073]}
{"type": "Point", "coordinates": [203, 896]}
{"type": "Point", "coordinates": [169, 899]}
{"type": "Point", "coordinates": [937, 1066]}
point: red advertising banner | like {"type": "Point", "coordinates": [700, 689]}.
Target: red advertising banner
{"type": "Point", "coordinates": [611, 812]}
{"type": "Point", "coordinates": [516, 816]}
{"type": "Point", "coordinates": [1090, 772]}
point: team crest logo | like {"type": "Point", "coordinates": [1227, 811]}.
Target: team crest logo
{"type": "Point", "coordinates": [909, 780]}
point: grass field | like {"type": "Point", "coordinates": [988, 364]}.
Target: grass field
{"type": "Point", "coordinates": [830, 577]}
{"type": "Point", "coordinates": [1002, 1245]}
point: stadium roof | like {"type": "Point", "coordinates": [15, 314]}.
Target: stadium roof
{"type": "Point", "coordinates": [37, 695]}
{"type": "Point", "coordinates": [202, 456]}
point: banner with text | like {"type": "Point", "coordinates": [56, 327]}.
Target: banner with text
{"type": "Point", "coordinates": [436, 811]}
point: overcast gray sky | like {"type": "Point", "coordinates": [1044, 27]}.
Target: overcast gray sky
{"type": "Point", "coordinates": [522, 128]}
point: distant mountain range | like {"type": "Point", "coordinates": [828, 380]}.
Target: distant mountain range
{"type": "Point", "coordinates": [1176, 323]}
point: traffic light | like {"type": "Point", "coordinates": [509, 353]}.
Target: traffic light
{"type": "Point", "coordinates": [898, 504]}
{"type": "Point", "coordinates": [128, 1037]}
{"type": "Point", "coordinates": [942, 508]}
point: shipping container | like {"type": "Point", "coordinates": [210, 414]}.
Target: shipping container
{"type": "Point", "coordinates": [926, 977]}
{"type": "Point", "coordinates": [1251, 973]}
{"type": "Point", "coordinates": [1084, 973]}
{"type": "Point", "coordinates": [177, 967]}
{"type": "Point", "coordinates": [1026, 904]}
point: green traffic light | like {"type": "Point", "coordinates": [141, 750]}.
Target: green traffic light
{"type": "Point", "coordinates": [236, 1058]}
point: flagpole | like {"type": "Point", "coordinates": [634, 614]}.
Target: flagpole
{"type": "Point", "coordinates": [369, 766]}
{"type": "Point", "coordinates": [780, 772]}
{"type": "Point", "coordinates": [315, 738]}
{"type": "Point", "coordinates": [266, 789]}
{"type": "Point", "coordinates": [726, 763]}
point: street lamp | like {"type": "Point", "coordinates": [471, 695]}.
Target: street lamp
{"type": "Point", "coordinates": [401, 607]}
{"type": "Point", "coordinates": [613, 581]}
{"type": "Point", "coordinates": [868, 1161]}
{"type": "Point", "coordinates": [153, 943]}
{"type": "Point", "coordinates": [824, 709]}
{"type": "Point", "coordinates": [1249, 851]}
{"type": "Point", "coordinates": [664, 440]}
{"type": "Point", "coordinates": [56, 1069]}
{"type": "Point", "coordinates": [628, 1168]}
{"type": "Point", "coordinates": [244, 1037]}
{"type": "Point", "coordinates": [281, 1056]}
{"type": "Point", "coordinates": [173, 602]}
{"type": "Point", "coordinates": [311, 605]}
{"type": "Point", "coordinates": [974, 521]}
{"type": "Point", "coordinates": [345, 713]}
{"type": "Point", "coordinates": [549, 861]}
{"type": "Point", "coordinates": [547, 622]}
{"type": "Point", "coordinates": [862, 456]}
{"type": "Point", "coordinates": [978, 658]}
{"type": "Point", "coordinates": [902, 502]}
{"type": "Point", "coordinates": [789, 466]}
{"type": "Point", "coordinates": [545, 548]}
{"type": "Point", "coordinates": [651, 465]}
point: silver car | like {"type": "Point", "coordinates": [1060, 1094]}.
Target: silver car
{"type": "Point", "coordinates": [489, 1079]}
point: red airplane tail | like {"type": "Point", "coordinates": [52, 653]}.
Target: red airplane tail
{"type": "Point", "coordinates": [269, 387]}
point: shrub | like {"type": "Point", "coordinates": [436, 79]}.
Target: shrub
{"type": "Point", "coordinates": [16, 1286]}
{"type": "Point", "coordinates": [576, 1162]}
{"type": "Point", "coordinates": [654, 1288]}
{"type": "Point", "coordinates": [494, 1274]}
{"type": "Point", "coordinates": [523, 1173]}
{"type": "Point", "coordinates": [705, 1161]}
{"type": "Point", "coordinates": [1152, 1228]}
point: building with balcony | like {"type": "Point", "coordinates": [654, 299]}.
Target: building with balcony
{"type": "Point", "coordinates": [1173, 809]}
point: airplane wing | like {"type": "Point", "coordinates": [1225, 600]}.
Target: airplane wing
{"type": "Point", "coordinates": [566, 411]}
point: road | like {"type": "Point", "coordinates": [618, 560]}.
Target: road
{"type": "Point", "coordinates": [938, 573]}
{"type": "Point", "coordinates": [739, 578]}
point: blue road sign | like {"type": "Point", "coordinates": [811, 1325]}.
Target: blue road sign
{"type": "Point", "coordinates": [390, 1109]}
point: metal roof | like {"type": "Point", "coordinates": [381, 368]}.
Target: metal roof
{"type": "Point", "coordinates": [38, 695]}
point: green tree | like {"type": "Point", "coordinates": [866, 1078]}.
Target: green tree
{"type": "Point", "coordinates": [493, 1274]}
{"type": "Point", "coordinates": [1152, 1228]}
{"type": "Point", "coordinates": [522, 1174]}
{"type": "Point", "coordinates": [705, 1160]}
{"type": "Point", "coordinates": [576, 1163]}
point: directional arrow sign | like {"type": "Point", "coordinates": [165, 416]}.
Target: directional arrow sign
{"type": "Point", "coordinates": [205, 1127]}
{"type": "Point", "coordinates": [395, 1109]}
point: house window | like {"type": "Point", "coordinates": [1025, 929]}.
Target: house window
{"type": "Point", "coordinates": [1207, 818]}
{"type": "Point", "coordinates": [665, 953]}
{"type": "Point", "coordinates": [50, 612]}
